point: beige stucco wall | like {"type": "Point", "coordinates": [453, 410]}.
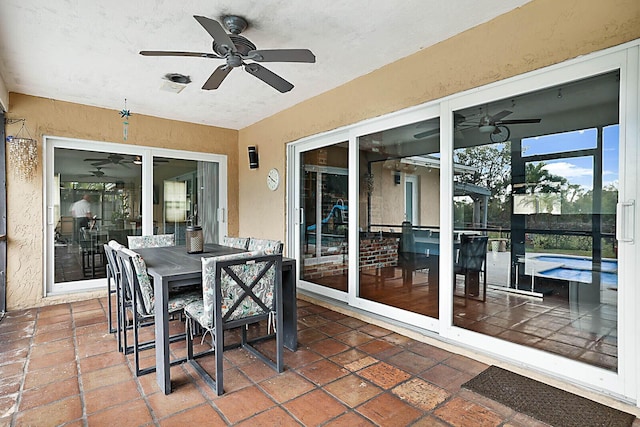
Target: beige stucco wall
{"type": "Point", "coordinates": [539, 34]}
{"type": "Point", "coordinates": [25, 226]}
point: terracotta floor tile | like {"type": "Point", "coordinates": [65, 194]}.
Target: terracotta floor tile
{"type": "Point", "coordinates": [181, 398]}
{"type": "Point", "coordinates": [107, 376]}
{"type": "Point", "coordinates": [429, 351]}
{"type": "Point", "coordinates": [463, 413]}
{"type": "Point", "coordinates": [40, 377]}
{"type": "Point", "coordinates": [334, 328]}
{"type": "Point", "coordinates": [272, 417]}
{"type": "Point", "coordinates": [411, 362]}
{"type": "Point", "coordinates": [348, 356]}
{"type": "Point", "coordinates": [286, 386]}
{"type": "Point", "coordinates": [353, 390]}
{"type": "Point", "coordinates": [323, 371]}
{"type": "Point", "coordinates": [376, 346]}
{"type": "Point", "coordinates": [313, 320]}
{"type": "Point", "coordinates": [362, 363]}
{"type": "Point", "coordinates": [132, 413]}
{"type": "Point", "coordinates": [374, 330]}
{"type": "Point", "coordinates": [56, 413]}
{"type": "Point", "coordinates": [442, 375]}
{"type": "Point", "coordinates": [12, 369]}
{"type": "Point", "coordinates": [350, 419]}
{"type": "Point", "coordinates": [111, 395]}
{"type": "Point", "coordinates": [51, 336]}
{"type": "Point", "coordinates": [57, 358]}
{"type": "Point", "coordinates": [8, 405]}
{"type": "Point", "coordinates": [430, 421]}
{"type": "Point", "coordinates": [422, 394]}
{"type": "Point", "coordinates": [17, 332]}
{"type": "Point", "coordinates": [354, 338]}
{"type": "Point", "coordinates": [315, 408]}
{"type": "Point", "coordinates": [202, 415]}
{"type": "Point", "coordinates": [49, 393]}
{"type": "Point", "coordinates": [10, 385]}
{"type": "Point", "coordinates": [384, 375]}
{"type": "Point", "coordinates": [310, 335]}
{"type": "Point", "coordinates": [101, 361]}
{"type": "Point", "coordinates": [397, 339]}
{"type": "Point", "coordinates": [388, 410]}
{"type": "Point", "coordinates": [302, 357]}
{"type": "Point", "coordinates": [257, 371]}
{"type": "Point", "coordinates": [352, 322]}
{"type": "Point", "coordinates": [466, 364]}
{"type": "Point", "coordinates": [328, 347]}
{"type": "Point", "coordinates": [47, 348]}
{"type": "Point", "coordinates": [234, 406]}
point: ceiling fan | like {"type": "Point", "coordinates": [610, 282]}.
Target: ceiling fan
{"type": "Point", "coordinates": [236, 49]}
{"type": "Point", "coordinates": [113, 158]}
{"type": "Point", "coordinates": [489, 123]}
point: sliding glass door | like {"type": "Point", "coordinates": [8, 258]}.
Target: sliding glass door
{"type": "Point", "coordinates": [114, 191]}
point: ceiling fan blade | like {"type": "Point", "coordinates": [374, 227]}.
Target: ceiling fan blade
{"type": "Point", "coordinates": [518, 121]}
{"type": "Point", "coordinates": [427, 133]}
{"type": "Point", "coordinates": [214, 80]}
{"type": "Point", "coordinates": [504, 113]}
{"type": "Point", "coordinates": [170, 53]}
{"type": "Point", "coordinates": [269, 77]}
{"type": "Point", "coordinates": [99, 162]}
{"type": "Point", "coordinates": [217, 32]}
{"type": "Point", "coordinates": [282, 55]}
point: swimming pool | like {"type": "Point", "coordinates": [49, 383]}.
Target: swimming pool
{"type": "Point", "coordinates": [577, 269]}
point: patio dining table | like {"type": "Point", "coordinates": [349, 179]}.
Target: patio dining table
{"type": "Point", "coordinates": [173, 267]}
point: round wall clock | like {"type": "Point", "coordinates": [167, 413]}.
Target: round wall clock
{"type": "Point", "coordinates": [273, 179]}
{"type": "Point", "coordinates": [501, 134]}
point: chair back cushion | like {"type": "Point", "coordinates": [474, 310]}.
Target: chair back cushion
{"type": "Point", "coordinates": [473, 252]}
{"type": "Point", "coordinates": [245, 282]}
{"type": "Point", "coordinates": [139, 281]}
{"type": "Point", "coordinates": [269, 247]}
{"type": "Point", "coordinates": [235, 242]}
{"type": "Point", "coordinates": [151, 241]}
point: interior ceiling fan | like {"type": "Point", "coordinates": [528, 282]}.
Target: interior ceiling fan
{"type": "Point", "coordinates": [236, 49]}
{"type": "Point", "coordinates": [113, 158]}
{"type": "Point", "coordinates": [486, 124]}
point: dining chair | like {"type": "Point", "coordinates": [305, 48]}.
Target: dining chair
{"type": "Point", "coordinates": [235, 242]}
{"type": "Point", "coordinates": [151, 241]}
{"type": "Point", "coordinates": [237, 290]}
{"type": "Point", "coordinates": [471, 262]}
{"type": "Point", "coordinates": [411, 259]}
{"type": "Point", "coordinates": [91, 252]}
{"type": "Point", "coordinates": [265, 245]}
{"type": "Point", "coordinates": [142, 303]}
{"type": "Point", "coordinates": [113, 285]}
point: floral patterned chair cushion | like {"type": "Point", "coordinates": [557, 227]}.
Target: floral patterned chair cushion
{"type": "Point", "coordinates": [235, 242]}
{"type": "Point", "coordinates": [203, 310]}
{"type": "Point", "coordinates": [151, 241]}
{"type": "Point", "coordinates": [145, 297]}
{"type": "Point", "coordinates": [269, 247]}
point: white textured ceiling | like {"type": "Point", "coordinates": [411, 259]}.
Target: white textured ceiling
{"type": "Point", "coordinates": [86, 51]}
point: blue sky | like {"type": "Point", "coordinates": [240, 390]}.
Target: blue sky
{"type": "Point", "coordinates": [578, 170]}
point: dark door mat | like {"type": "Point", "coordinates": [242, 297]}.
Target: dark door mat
{"type": "Point", "coordinates": [544, 402]}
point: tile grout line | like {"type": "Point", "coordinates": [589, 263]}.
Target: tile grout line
{"type": "Point", "coordinates": [83, 402]}
{"type": "Point", "coordinates": [14, 416]}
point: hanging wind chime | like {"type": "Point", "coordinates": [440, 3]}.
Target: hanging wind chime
{"type": "Point", "coordinates": [23, 152]}
{"type": "Point", "coordinates": [125, 114]}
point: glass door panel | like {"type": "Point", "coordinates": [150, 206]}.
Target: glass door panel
{"type": "Point", "coordinates": [97, 199]}
{"type": "Point", "coordinates": [185, 193]}
{"type": "Point", "coordinates": [399, 217]}
{"type": "Point", "coordinates": [324, 198]}
{"type": "Point", "coordinates": [536, 175]}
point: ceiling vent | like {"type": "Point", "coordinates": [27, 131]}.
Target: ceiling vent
{"type": "Point", "coordinates": [175, 82]}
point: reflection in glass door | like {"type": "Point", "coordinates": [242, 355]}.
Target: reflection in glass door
{"type": "Point", "coordinates": [540, 182]}
{"type": "Point", "coordinates": [324, 199]}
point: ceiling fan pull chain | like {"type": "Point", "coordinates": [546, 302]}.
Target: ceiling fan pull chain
{"type": "Point", "coordinates": [125, 114]}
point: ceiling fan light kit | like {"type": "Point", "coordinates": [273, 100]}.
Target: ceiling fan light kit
{"type": "Point", "coordinates": [235, 50]}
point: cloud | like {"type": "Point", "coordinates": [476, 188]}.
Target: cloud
{"type": "Point", "coordinates": [568, 170]}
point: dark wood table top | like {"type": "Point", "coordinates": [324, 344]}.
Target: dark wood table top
{"type": "Point", "coordinates": [173, 261]}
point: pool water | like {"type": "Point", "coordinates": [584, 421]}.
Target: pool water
{"type": "Point", "coordinates": [579, 269]}
{"type": "Point", "coordinates": [583, 276]}
{"type": "Point", "coordinates": [578, 263]}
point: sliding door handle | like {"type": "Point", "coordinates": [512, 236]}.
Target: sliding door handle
{"type": "Point", "coordinates": [626, 221]}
